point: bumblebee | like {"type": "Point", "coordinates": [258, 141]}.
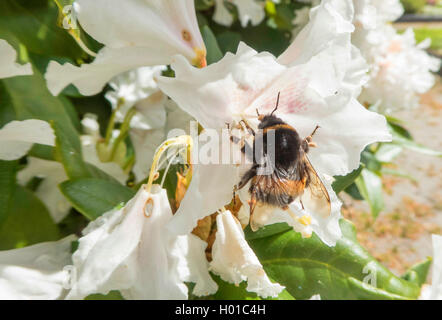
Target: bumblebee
{"type": "Point", "coordinates": [292, 176]}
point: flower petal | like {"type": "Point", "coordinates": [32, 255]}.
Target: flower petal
{"type": "Point", "coordinates": [192, 264]}
{"type": "Point", "coordinates": [17, 137]}
{"type": "Point", "coordinates": [136, 249]}
{"type": "Point", "coordinates": [8, 66]}
{"type": "Point", "coordinates": [329, 22]}
{"type": "Point", "coordinates": [149, 33]}
{"type": "Point", "coordinates": [53, 174]}
{"type": "Point", "coordinates": [234, 261]}
{"type": "Point", "coordinates": [35, 272]}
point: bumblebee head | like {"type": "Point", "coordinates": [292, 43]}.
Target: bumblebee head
{"type": "Point", "coordinates": [269, 121]}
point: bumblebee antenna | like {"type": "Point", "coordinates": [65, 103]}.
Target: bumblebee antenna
{"type": "Point", "coordinates": [257, 112]}
{"type": "Point", "coordinates": [277, 103]}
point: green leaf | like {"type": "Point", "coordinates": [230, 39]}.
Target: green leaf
{"type": "Point", "coordinates": [68, 148]}
{"type": "Point", "coordinates": [228, 41]}
{"type": "Point", "coordinates": [214, 53]}
{"type": "Point", "coordinates": [93, 197]}
{"type": "Point", "coordinates": [403, 138]}
{"type": "Point", "coordinates": [370, 186]}
{"type": "Point", "coordinates": [342, 182]}
{"type": "Point", "coordinates": [113, 295]}
{"type": "Point", "coordinates": [28, 222]}
{"type": "Point", "coordinates": [387, 152]}
{"type": "Point", "coordinates": [36, 27]}
{"type": "Point", "coordinates": [228, 291]}
{"type": "Point", "coordinates": [8, 171]}
{"type": "Point", "coordinates": [418, 273]}
{"type": "Point", "coordinates": [307, 267]}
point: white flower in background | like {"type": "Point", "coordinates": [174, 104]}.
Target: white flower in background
{"type": "Point", "coordinates": [17, 137]}
{"type": "Point", "coordinates": [36, 272]}
{"type": "Point", "coordinates": [318, 77]}
{"type": "Point", "coordinates": [248, 11]}
{"type": "Point", "coordinates": [8, 65]}
{"type": "Point", "coordinates": [434, 291]}
{"type": "Point", "coordinates": [135, 34]}
{"type": "Point", "coordinates": [53, 172]}
{"type": "Point", "coordinates": [138, 88]}
{"type": "Point", "coordinates": [128, 249]}
{"type": "Point", "coordinates": [400, 69]}
{"type": "Point", "coordinates": [234, 261]}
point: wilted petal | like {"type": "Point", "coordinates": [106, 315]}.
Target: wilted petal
{"type": "Point", "coordinates": [135, 245]}
{"type": "Point", "coordinates": [234, 261]}
{"type": "Point", "coordinates": [36, 272]}
{"type": "Point", "coordinates": [149, 33]}
{"type": "Point", "coordinates": [192, 264]}
{"type": "Point", "coordinates": [8, 65]}
{"type": "Point", "coordinates": [17, 137]}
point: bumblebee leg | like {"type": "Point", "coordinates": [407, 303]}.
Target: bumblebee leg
{"type": "Point", "coordinates": [248, 127]}
{"type": "Point", "coordinates": [252, 203]}
{"type": "Point", "coordinates": [302, 205]}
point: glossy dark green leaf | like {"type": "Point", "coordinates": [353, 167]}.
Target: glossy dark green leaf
{"type": "Point", "coordinates": [214, 53]}
{"type": "Point", "coordinates": [307, 267]}
{"type": "Point", "coordinates": [28, 222]}
{"type": "Point", "coordinates": [93, 197]}
{"type": "Point", "coordinates": [342, 182]}
{"type": "Point", "coordinates": [113, 295]}
{"type": "Point", "coordinates": [7, 187]}
{"type": "Point", "coordinates": [228, 291]}
{"type": "Point", "coordinates": [36, 27]}
{"type": "Point", "coordinates": [370, 186]}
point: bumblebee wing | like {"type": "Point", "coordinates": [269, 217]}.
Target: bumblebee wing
{"type": "Point", "coordinates": [315, 197]}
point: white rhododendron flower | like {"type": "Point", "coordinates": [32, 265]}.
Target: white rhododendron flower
{"type": "Point", "coordinates": [318, 78]}
{"type": "Point", "coordinates": [400, 69]}
{"type": "Point", "coordinates": [175, 122]}
{"type": "Point", "coordinates": [8, 65]}
{"type": "Point", "coordinates": [36, 272]}
{"type": "Point", "coordinates": [434, 291]}
{"type": "Point", "coordinates": [149, 33]}
{"type": "Point", "coordinates": [137, 88]}
{"type": "Point", "coordinates": [17, 137]}
{"type": "Point", "coordinates": [234, 261]}
{"type": "Point", "coordinates": [248, 11]}
{"type": "Point", "coordinates": [53, 173]}
{"type": "Point", "coordinates": [142, 259]}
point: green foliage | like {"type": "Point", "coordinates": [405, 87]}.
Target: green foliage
{"type": "Point", "coordinates": [28, 222]}
{"type": "Point", "coordinates": [413, 6]}
{"type": "Point", "coordinates": [93, 197]}
{"type": "Point", "coordinates": [7, 187]}
{"type": "Point", "coordinates": [370, 187]}
{"type": "Point", "coordinates": [229, 291]}
{"type": "Point", "coordinates": [307, 267]}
